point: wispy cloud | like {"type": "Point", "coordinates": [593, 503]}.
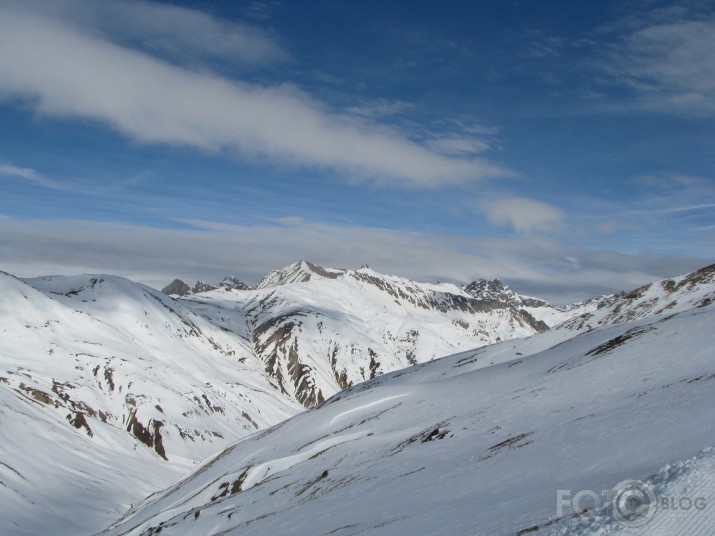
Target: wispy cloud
{"type": "Point", "coordinates": [674, 193]}
{"type": "Point", "coordinates": [23, 173]}
{"type": "Point", "coordinates": [459, 145]}
{"type": "Point", "coordinates": [679, 183]}
{"type": "Point", "coordinates": [544, 47]}
{"type": "Point", "coordinates": [524, 215]}
{"type": "Point", "coordinates": [668, 66]}
{"type": "Point", "coordinates": [260, 10]}
{"type": "Point", "coordinates": [29, 175]}
{"type": "Point", "coordinates": [380, 108]}
{"type": "Point", "coordinates": [65, 69]}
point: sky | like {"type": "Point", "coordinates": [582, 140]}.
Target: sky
{"type": "Point", "coordinates": [565, 147]}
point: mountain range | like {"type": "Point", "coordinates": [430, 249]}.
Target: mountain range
{"type": "Point", "coordinates": [121, 390]}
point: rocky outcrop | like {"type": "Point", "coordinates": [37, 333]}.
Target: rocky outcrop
{"type": "Point", "coordinates": [177, 288]}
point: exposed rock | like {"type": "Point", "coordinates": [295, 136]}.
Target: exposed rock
{"type": "Point", "coordinates": [200, 286]}
{"type": "Point", "coordinates": [177, 288]}
{"type": "Point", "coordinates": [231, 282]}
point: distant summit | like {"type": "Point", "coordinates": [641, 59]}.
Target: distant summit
{"type": "Point", "coordinates": [200, 286]}
{"type": "Point", "coordinates": [482, 289]}
{"type": "Point", "coordinates": [298, 272]}
{"type": "Point", "coordinates": [232, 282]}
{"type": "Point", "coordinates": [178, 288]}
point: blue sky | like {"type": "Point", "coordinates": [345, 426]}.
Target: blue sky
{"type": "Point", "coordinates": [565, 147]}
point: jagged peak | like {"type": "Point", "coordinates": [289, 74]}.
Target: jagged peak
{"type": "Point", "coordinates": [201, 286]}
{"type": "Point", "coordinates": [179, 288]}
{"type": "Point", "coordinates": [231, 282]}
{"type": "Point", "coordinates": [483, 289]}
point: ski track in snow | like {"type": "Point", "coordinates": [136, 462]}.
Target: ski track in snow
{"type": "Point", "coordinates": [368, 405]}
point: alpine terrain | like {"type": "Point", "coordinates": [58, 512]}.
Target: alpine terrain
{"type": "Point", "coordinates": [481, 442]}
{"type": "Point", "coordinates": [112, 391]}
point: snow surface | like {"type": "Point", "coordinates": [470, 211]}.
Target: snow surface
{"type": "Point", "coordinates": [81, 358]}
{"type": "Point", "coordinates": [681, 484]}
{"type": "Point", "coordinates": [476, 443]}
{"type": "Point", "coordinates": [318, 333]}
{"type": "Point", "coordinates": [110, 391]}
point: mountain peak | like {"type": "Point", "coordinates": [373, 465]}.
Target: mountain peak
{"type": "Point", "coordinates": [298, 272]}
{"type": "Point", "coordinates": [177, 288]}
{"type": "Point", "coordinates": [231, 282]}
{"type": "Point", "coordinates": [483, 289]}
{"type": "Point", "coordinates": [201, 286]}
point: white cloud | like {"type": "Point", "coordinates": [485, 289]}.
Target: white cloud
{"type": "Point", "coordinates": [173, 31]}
{"type": "Point", "coordinates": [675, 183]}
{"type": "Point", "coordinates": [459, 145]}
{"type": "Point", "coordinates": [524, 215]}
{"type": "Point", "coordinates": [260, 10]}
{"type": "Point", "coordinates": [534, 265]}
{"type": "Point", "coordinates": [669, 66]}
{"type": "Point", "coordinates": [380, 108]}
{"type": "Point", "coordinates": [65, 71]}
{"type": "Point", "coordinates": [23, 173]}
{"type": "Point", "coordinates": [28, 174]}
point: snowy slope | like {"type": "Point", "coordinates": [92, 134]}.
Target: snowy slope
{"type": "Point", "coordinates": [119, 381]}
{"type": "Point", "coordinates": [119, 389]}
{"type": "Point", "coordinates": [688, 488]}
{"type": "Point", "coordinates": [109, 390]}
{"type": "Point", "coordinates": [476, 443]}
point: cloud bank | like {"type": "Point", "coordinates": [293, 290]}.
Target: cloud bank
{"type": "Point", "coordinates": [83, 69]}
{"type": "Point", "coordinates": [532, 264]}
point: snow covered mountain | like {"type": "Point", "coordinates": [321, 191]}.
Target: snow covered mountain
{"type": "Point", "coordinates": [119, 390]}
{"type": "Point", "coordinates": [110, 390]}
{"type": "Point", "coordinates": [112, 379]}
{"type": "Point", "coordinates": [667, 296]}
{"type": "Point", "coordinates": [319, 330]}
{"type": "Point", "coordinates": [481, 442]}
{"type": "Point", "coordinates": [542, 310]}
{"type": "Point", "coordinates": [298, 272]}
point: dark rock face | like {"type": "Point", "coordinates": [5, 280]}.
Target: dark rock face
{"type": "Point", "coordinates": [492, 290]}
{"type": "Point", "coordinates": [233, 283]}
{"type": "Point", "coordinates": [177, 287]}
{"type": "Point", "coordinates": [200, 286]}
{"type": "Point", "coordinates": [150, 435]}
